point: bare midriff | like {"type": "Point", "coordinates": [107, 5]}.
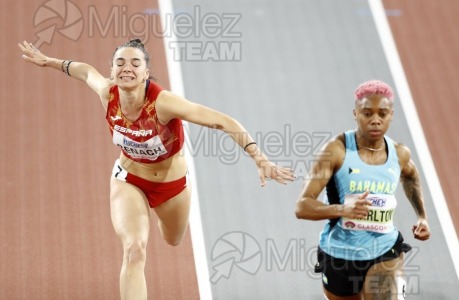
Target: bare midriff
{"type": "Point", "coordinates": [171, 169]}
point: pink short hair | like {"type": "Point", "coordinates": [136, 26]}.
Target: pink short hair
{"type": "Point", "coordinates": [374, 87]}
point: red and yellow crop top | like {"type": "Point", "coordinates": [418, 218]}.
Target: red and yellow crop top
{"type": "Point", "coordinates": [144, 140]}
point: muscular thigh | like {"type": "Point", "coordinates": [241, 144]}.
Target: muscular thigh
{"type": "Point", "coordinates": [130, 212]}
{"type": "Point", "coordinates": [173, 213]}
{"type": "Point", "coordinates": [382, 279]}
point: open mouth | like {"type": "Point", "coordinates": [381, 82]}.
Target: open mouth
{"type": "Point", "coordinates": [127, 78]}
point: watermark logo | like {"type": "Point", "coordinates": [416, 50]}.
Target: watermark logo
{"type": "Point", "coordinates": [247, 254]}
{"type": "Point", "coordinates": [281, 147]}
{"type": "Point", "coordinates": [193, 36]}
{"type": "Point", "coordinates": [66, 19]}
{"type": "Point", "coordinates": [220, 39]}
{"type": "Point", "coordinates": [235, 249]}
{"type": "Point", "coordinates": [251, 256]}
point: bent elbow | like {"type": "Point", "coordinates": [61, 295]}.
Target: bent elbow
{"type": "Point", "coordinates": [306, 210]}
{"type": "Point", "coordinates": [301, 213]}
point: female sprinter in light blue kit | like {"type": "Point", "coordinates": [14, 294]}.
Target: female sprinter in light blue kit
{"type": "Point", "coordinates": [360, 251]}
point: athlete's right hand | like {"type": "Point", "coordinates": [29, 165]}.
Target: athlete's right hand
{"type": "Point", "coordinates": [32, 54]}
{"type": "Point", "coordinates": [358, 209]}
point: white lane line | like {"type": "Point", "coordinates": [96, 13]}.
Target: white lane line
{"type": "Point", "coordinates": [176, 84]}
{"type": "Point", "coordinates": [414, 124]}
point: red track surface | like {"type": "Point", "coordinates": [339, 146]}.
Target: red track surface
{"type": "Point", "coordinates": [426, 34]}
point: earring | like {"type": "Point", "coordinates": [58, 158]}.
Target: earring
{"type": "Point", "coordinates": [143, 80]}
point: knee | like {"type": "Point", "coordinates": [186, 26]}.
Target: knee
{"type": "Point", "coordinates": [174, 241]}
{"type": "Point", "coordinates": [171, 237]}
{"type": "Point", "coordinates": [135, 252]}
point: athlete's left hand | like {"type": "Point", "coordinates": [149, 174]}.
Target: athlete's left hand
{"type": "Point", "coordinates": [268, 170]}
{"type": "Point", "coordinates": [421, 230]}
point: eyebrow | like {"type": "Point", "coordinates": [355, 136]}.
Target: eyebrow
{"type": "Point", "coordinates": [133, 59]}
{"type": "Point", "coordinates": [380, 108]}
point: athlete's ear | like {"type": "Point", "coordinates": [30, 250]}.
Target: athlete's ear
{"type": "Point", "coordinates": [147, 74]}
{"type": "Point", "coordinates": [355, 113]}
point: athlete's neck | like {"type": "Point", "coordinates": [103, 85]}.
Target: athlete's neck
{"type": "Point", "coordinates": [132, 100]}
{"type": "Point", "coordinates": [364, 143]}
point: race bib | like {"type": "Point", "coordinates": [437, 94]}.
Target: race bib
{"type": "Point", "coordinates": [380, 215]}
{"type": "Point", "coordinates": [150, 149]}
{"type": "Point", "coordinates": [118, 172]}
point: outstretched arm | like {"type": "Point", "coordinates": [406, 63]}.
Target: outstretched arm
{"type": "Point", "coordinates": [170, 106]}
{"type": "Point", "coordinates": [78, 70]}
{"type": "Point", "coordinates": [412, 188]}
